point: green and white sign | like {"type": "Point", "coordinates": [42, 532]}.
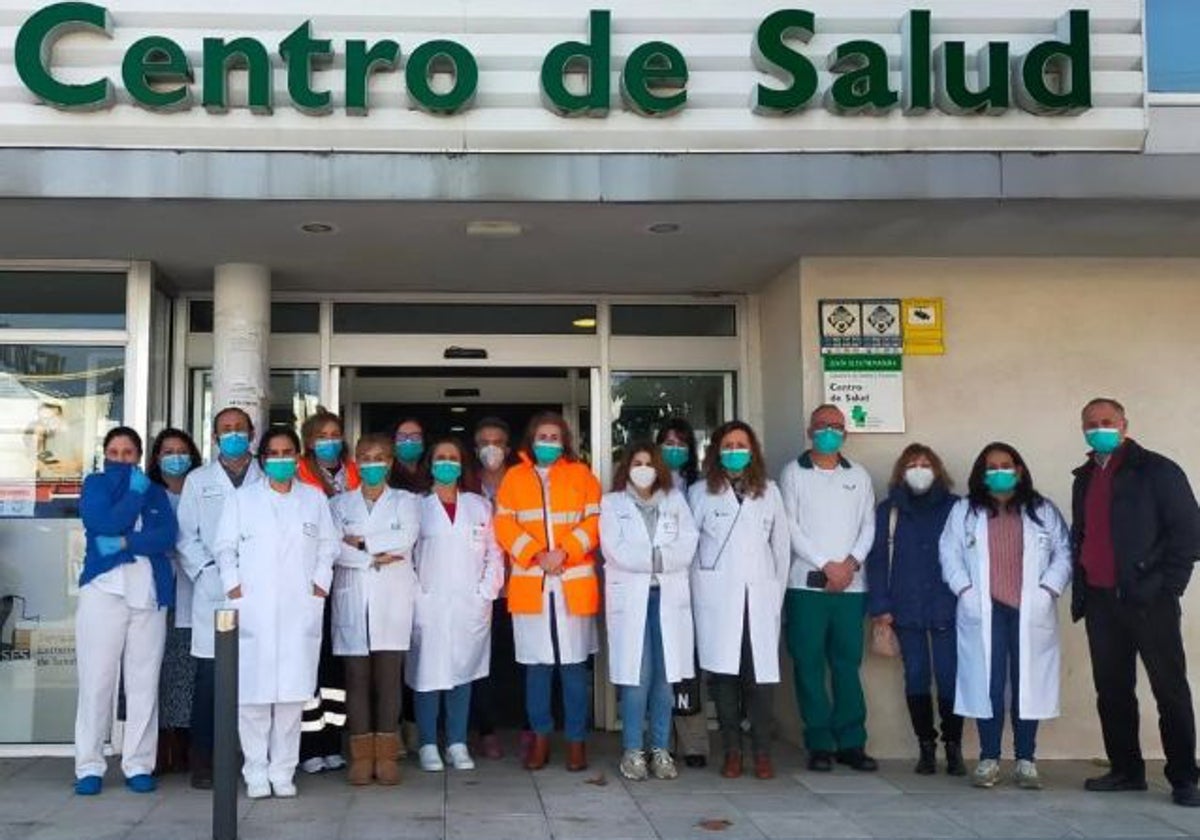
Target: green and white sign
{"type": "Point", "coordinates": [869, 389]}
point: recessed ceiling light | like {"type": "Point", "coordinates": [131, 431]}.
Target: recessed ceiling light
{"type": "Point", "coordinates": [664, 227]}
{"type": "Point", "coordinates": [492, 228]}
{"type": "Point", "coordinates": [584, 323]}
{"type": "Point", "coordinates": [458, 409]}
{"type": "Point", "coordinates": [318, 227]}
{"type": "Point", "coordinates": [458, 428]}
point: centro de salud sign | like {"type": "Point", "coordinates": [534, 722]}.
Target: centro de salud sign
{"type": "Point", "coordinates": [1050, 78]}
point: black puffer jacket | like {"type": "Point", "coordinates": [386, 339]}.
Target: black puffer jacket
{"type": "Point", "coordinates": [1155, 527]}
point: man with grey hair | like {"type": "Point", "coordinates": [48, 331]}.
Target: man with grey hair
{"type": "Point", "coordinates": [1135, 537]}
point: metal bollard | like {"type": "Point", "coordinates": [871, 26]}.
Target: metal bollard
{"type": "Point", "coordinates": [225, 735]}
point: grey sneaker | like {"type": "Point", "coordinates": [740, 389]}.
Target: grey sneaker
{"type": "Point", "coordinates": [662, 766]}
{"type": "Point", "coordinates": [987, 773]}
{"type": "Point", "coordinates": [1026, 776]}
{"type": "Point", "coordinates": [633, 765]}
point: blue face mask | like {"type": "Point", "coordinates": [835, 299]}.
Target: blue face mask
{"type": "Point", "coordinates": [280, 469]}
{"type": "Point", "coordinates": [675, 456]}
{"type": "Point", "coordinates": [1001, 481]}
{"type": "Point", "coordinates": [446, 472]}
{"type": "Point", "coordinates": [828, 441]}
{"type": "Point", "coordinates": [234, 444]}
{"type": "Point", "coordinates": [327, 450]}
{"type": "Point", "coordinates": [1103, 441]}
{"type": "Point", "coordinates": [175, 465]}
{"type": "Point", "coordinates": [735, 460]}
{"type": "Point", "coordinates": [409, 451]}
{"type": "Point", "coordinates": [546, 453]}
{"type": "Point", "coordinates": [374, 473]}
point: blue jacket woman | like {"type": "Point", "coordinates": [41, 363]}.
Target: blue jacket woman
{"type": "Point", "coordinates": [905, 589]}
{"type": "Point", "coordinates": [124, 592]}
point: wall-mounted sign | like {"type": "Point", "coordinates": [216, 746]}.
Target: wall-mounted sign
{"type": "Point", "coordinates": [860, 325]}
{"type": "Point", "coordinates": [924, 331]}
{"type": "Point", "coordinates": [869, 389]}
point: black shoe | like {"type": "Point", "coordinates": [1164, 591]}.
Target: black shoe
{"type": "Point", "coordinates": [820, 761]}
{"type": "Point", "coordinates": [1113, 782]}
{"type": "Point", "coordinates": [954, 760]}
{"type": "Point", "coordinates": [1186, 795]}
{"type": "Point", "coordinates": [202, 770]}
{"type": "Point", "coordinates": [857, 759]}
{"type": "Point", "coordinates": [695, 760]}
{"type": "Point", "coordinates": [927, 763]}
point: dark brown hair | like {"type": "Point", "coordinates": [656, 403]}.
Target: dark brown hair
{"type": "Point", "coordinates": [550, 418]}
{"type": "Point", "coordinates": [755, 475]}
{"type": "Point", "coordinates": [468, 481]}
{"type": "Point", "coordinates": [275, 432]}
{"type": "Point", "coordinates": [154, 469]}
{"type": "Point", "coordinates": [662, 477]}
{"type": "Point", "coordinates": [920, 450]}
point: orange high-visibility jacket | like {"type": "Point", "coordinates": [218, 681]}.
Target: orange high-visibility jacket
{"type": "Point", "coordinates": [570, 508]}
{"type": "Point", "coordinates": [306, 474]}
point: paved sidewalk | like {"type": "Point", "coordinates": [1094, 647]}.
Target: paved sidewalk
{"type": "Point", "coordinates": [501, 801]}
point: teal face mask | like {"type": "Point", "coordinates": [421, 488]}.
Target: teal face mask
{"type": "Point", "coordinates": [675, 456]}
{"type": "Point", "coordinates": [828, 441]}
{"type": "Point", "coordinates": [175, 465]}
{"type": "Point", "coordinates": [280, 469]}
{"type": "Point", "coordinates": [409, 451]}
{"type": "Point", "coordinates": [1000, 481]}
{"type": "Point", "coordinates": [446, 472]}
{"type": "Point", "coordinates": [735, 460]}
{"type": "Point", "coordinates": [546, 453]}
{"type": "Point", "coordinates": [374, 473]}
{"type": "Point", "coordinates": [327, 450]}
{"type": "Point", "coordinates": [1103, 441]}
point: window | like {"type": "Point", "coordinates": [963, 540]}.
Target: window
{"type": "Point", "coordinates": [465, 319]}
{"type": "Point", "coordinates": [643, 402]}
{"type": "Point", "coordinates": [678, 321]}
{"type": "Point", "coordinates": [286, 318]}
{"type": "Point", "coordinates": [1172, 60]}
{"type": "Point", "coordinates": [52, 300]}
{"type": "Point", "coordinates": [295, 395]}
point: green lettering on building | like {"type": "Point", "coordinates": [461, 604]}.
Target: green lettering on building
{"type": "Point", "coordinates": [862, 85]}
{"type": "Point", "coordinates": [954, 93]}
{"type": "Point", "coordinates": [916, 95]}
{"type": "Point", "coordinates": [363, 62]}
{"type": "Point", "coordinates": [220, 57]}
{"type": "Point", "coordinates": [302, 54]}
{"type": "Point", "coordinates": [772, 55]}
{"type": "Point", "coordinates": [590, 59]}
{"type": "Point", "coordinates": [445, 57]}
{"type": "Point", "coordinates": [149, 66]}
{"type": "Point", "coordinates": [35, 46]}
{"type": "Point", "coordinates": [654, 82]}
{"type": "Point", "coordinates": [1068, 60]}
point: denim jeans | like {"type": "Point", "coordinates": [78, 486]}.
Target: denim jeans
{"type": "Point", "coordinates": [458, 707]}
{"type": "Point", "coordinates": [1005, 670]}
{"type": "Point", "coordinates": [652, 692]}
{"type": "Point", "coordinates": [575, 696]}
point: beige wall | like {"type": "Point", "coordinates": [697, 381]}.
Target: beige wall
{"type": "Point", "coordinates": [1027, 343]}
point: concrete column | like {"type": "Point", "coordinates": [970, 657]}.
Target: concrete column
{"type": "Point", "coordinates": [241, 334]}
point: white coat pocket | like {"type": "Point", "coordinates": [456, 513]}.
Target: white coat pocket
{"type": "Point", "coordinates": [1044, 609]}
{"type": "Point", "coordinates": [970, 610]}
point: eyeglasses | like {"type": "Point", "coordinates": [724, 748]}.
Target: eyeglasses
{"type": "Point", "coordinates": [409, 438]}
{"type": "Point", "coordinates": [820, 427]}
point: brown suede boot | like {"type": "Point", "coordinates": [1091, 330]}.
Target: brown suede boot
{"type": "Point", "coordinates": [362, 758]}
{"type": "Point", "coordinates": [733, 764]}
{"type": "Point", "coordinates": [576, 756]}
{"type": "Point", "coordinates": [539, 753]}
{"type": "Point", "coordinates": [387, 753]}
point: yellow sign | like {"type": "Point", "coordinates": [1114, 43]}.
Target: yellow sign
{"type": "Point", "coordinates": [923, 327]}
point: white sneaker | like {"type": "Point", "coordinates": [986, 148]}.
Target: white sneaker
{"type": "Point", "coordinates": [633, 765]}
{"type": "Point", "coordinates": [284, 790]}
{"type": "Point", "coordinates": [334, 762]}
{"type": "Point", "coordinates": [1026, 775]}
{"type": "Point", "coordinates": [431, 759]}
{"type": "Point", "coordinates": [459, 757]}
{"type": "Point", "coordinates": [313, 765]}
{"type": "Point", "coordinates": [258, 790]}
{"type": "Point", "coordinates": [662, 766]}
{"type": "Point", "coordinates": [987, 772]}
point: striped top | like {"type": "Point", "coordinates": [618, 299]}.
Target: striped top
{"type": "Point", "coordinates": [1006, 549]}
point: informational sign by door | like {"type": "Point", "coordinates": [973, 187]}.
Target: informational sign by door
{"type": "Point", "coordinates": [861, 325]}
{"type": "Point", "coordinates": [924, 334]}
{"type": "Point", "coordinates": [869, 389]}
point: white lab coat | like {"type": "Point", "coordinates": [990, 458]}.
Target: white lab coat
{"type": "Point", "coordinates": [276, 546]}
{"type": "Point", "coordinates": [1047, 562]}
{"type": "Point", "coordinates": [460, 570]}
{"type": "Point", "coordinates": [628, 569]}
{"type": "Point", "coordinates": [200, 505]}
{"type": "Point", "coordinates": [752, 569]}
{"type": "Point", "coordinates": [373, 605]}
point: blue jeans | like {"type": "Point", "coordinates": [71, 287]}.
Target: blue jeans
{"type": "Point", "coordinates": [1006, 673]}
{"type": "Point", "coordinates": [652, 691]}
{"type": "Point", "coordinates": [458, 708]}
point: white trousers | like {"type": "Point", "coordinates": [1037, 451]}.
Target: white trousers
{"type": "Point", "coordinates": [112, 638]}
{"type": "Point", "coordinates": [270, 735]}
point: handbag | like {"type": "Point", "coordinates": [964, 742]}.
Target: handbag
{"type": "Point", "coordinates": [686, 697]}
{"type": "Point", "coordinates": [883, 637]}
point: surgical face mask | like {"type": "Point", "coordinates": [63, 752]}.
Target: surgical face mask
{"type": "Point", "coordinates": [1000, 481]}
{"type": "Point", "coordinates": [446, 472]}
{"type": "Point", "coordinates": [919, 479]}
{"type": "Point", "coordinates": [827, 441]}
{"type": "Point", "coordinates": [491, 456]}
{"type": "Point", "coordinates": [1103, 441]}
{"type": "Point", "coordinates": [409, 451]}
{"type": "Point", "coordinates": [643, 476]}
{"type": "Point", "coordinates": [280, 469]}
{"type": "Point", "coordinates": [735, 460]}
{"type": "Point", "coordinates": [176, 464]}
{"type": "Point", "coordinates": [546, 452]}
{"type": "Point", "coordinates": [327, 450]}
{"type": "Point", "coordinates": [373, 473]}
{"type": "Point", "coordinates": [675, 456]}
{"type": "Point", "coordinates": [234, 444]}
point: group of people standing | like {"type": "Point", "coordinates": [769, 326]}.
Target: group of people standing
{"type": "Point", "coordinates": [391, 558]}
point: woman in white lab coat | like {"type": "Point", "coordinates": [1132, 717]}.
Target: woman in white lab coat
{"type": "Point", "coordinates": [648, 539]}
{"type": "Point", "coordinates": [275, 546]}
{"type": "Point", "coordinates": [460, 571]}
{"type": "Point", "coordinates": [738, 583]}
{"type": "Point", "coordinates": [1005, 553]}
{"type": "Point", "coordinates": [372, 611]}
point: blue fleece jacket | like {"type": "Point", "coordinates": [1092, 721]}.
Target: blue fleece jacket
{"type": "Point", "coordinates": [110, 509]}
